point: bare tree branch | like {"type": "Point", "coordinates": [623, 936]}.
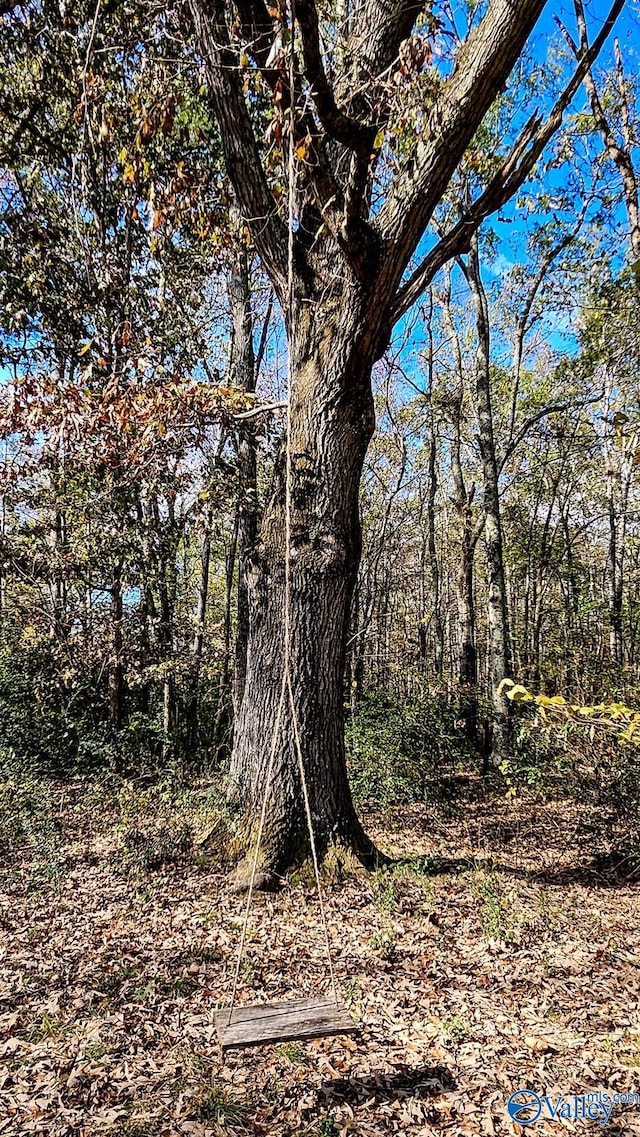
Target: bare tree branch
{"type": "Point", "coordinates": [515, 169]}
{"type": "Point", "coordinates": [522, 322]}
{"type": "Point", "coordinates": [268, 408]}
{"type": "Point", "coordinates": [620, 155]}
{"type": "Point", "coordinates": [340, 126]}
{"type": "Point", "coordinates": [242, 157]}
{"type": "Point", "coordinates": [483, 66]}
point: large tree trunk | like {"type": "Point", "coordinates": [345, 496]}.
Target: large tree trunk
{"type": "Point", "coordinates": [332, 420]}
{"type": "Point", "coordinates": [362, 254]}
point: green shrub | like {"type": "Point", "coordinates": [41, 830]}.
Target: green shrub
{"type": "Point", "coordinates": [27, 820]}
{"type": "Point", "coordinates": [395, 748]}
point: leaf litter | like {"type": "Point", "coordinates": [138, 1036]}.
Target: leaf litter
{"type": "Point", "coordinates": [489, 958]}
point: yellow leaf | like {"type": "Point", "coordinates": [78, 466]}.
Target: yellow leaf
{"type": "Point", "coordinates": [505, 683]}
{"type": "Point", "coordinates": [519, 693]}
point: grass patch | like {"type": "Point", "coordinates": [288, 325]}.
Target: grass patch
{"type": "Point", "coordinates": [456, 1028]}
{"type": "Point", "coordinates": [218, 1106]}
{"type": "Point", "coordinates": [291, 1052]}
{"type": "Point", "coordinates": [500, 917]}
{"type": "Point", "coordinates": [48, 1027]}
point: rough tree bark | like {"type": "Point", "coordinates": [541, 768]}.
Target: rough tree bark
{"type": "Point", "coordinates": [349, 270]}
{"type": "Point", "coordinates": [331, 424]}
{"type": "Point", "coordinates": [243, 374]}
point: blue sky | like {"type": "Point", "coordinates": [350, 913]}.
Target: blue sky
{"type": "Point", "coordinates": [512, 226]}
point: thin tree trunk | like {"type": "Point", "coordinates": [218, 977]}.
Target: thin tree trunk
{"type": "Point", "coordinates": [203, 589]}
{"type": "Point", "coordinates": [431, 512]}
{"type": "Point", "coordinates": [116, 673]}
{"type": "Point", "coordinates": [465, 593]}
{"type": "Point", "coordinates": [192, 714]}
{"type": "Point", "coordinates": [614, 582]}
{"type": "Point", "coordinates": [223, 689]}
{"type": "Point", "coordinates": [243, 374]}
{"type": "Point", "coordinates": [618, 475]}
{"type": "Point", "coordinates": [499, 655]}
{"type": "Point", "coordinates": [469, 536]}
{"type": "Point", "coordinates": [355, 657]}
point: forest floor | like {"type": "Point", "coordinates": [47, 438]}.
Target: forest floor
{"type": "Point", "coordinates": [492, 958]}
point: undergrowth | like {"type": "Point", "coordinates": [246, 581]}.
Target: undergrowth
{"type": "Point", "coordinates": [396, 749]}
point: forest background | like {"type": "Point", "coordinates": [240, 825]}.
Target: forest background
{"type": "Point", "coordinates": [491, 686]}
{"type": "Point", "coordinates": [144, 379]}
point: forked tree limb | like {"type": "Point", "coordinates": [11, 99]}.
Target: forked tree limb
{"type": "Point", "coordinates": [483, 67]}
{"type": "Point", "coordinates": [484, 63]}
{"type": "Point", "coordinates": [515, 169]}
{"type": "Point", "coordinates": [241, 153]}
{"type": "Point", "coordinates": [339, 126]}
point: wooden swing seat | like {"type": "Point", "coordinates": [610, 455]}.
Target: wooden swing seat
{"type": "Point", "coordinates": [282, 1022]}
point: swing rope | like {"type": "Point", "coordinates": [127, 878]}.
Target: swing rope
{"type": "Point", "coordinates": [286, 688]}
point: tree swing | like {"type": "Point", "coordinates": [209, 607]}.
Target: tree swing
{"type": "Point", "coordinates": [300, 1019]}
{"type": "Point", "coordinates": [241, 1027]}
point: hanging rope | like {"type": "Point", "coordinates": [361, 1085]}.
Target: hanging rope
{"type": "Point", "coordinates": [286, 688]}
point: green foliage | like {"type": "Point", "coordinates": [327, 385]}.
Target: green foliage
{"type": "Point", "coordinates": [456, 1027]}
{"type": "Point", "coordinates": [403, 888]}
{"type": "Point", "coordinates": [499, 920]}
{"type": "Point", "coordinates": [291, 1052]}
{"type": "Point", "coordinates": [613, 716]}
{"type": "Point", "coordinates": [218, 1106]}
{"type": "Point", "coordinates": [327, 1126]}
{"type": "Point", "coordinates": [53, 718]}
{"type": "Point", "coordinates": [115, 223]}
{"type": "Point", "coordinates": [33, 731]}
{"type": "Point", "coordinates": [27, 818]}
{"type": "Point", "coordinates": [393, 746]}
{"type": "Point", "coordinates": [165, 824]}
{"type": "Point", "coordinates": [47, 1027]}
{"type": "Point", "coordinates": [571, 755]}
